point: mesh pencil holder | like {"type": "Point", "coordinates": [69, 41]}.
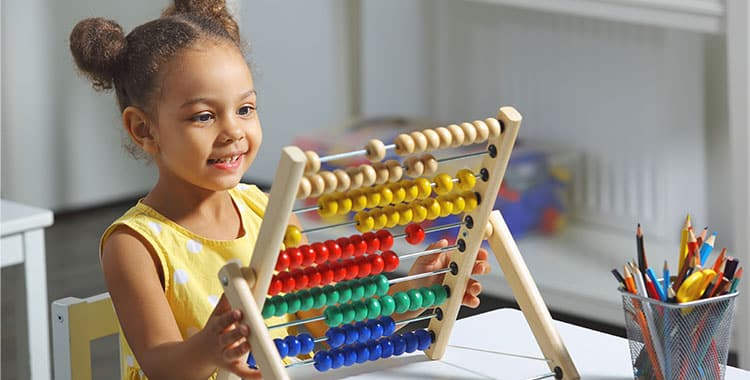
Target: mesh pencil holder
{"type": "Point", "coordinates": [680, 341]}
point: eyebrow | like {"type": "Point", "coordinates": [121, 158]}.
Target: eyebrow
{"type": "Point", "coordinates": [205, 100]}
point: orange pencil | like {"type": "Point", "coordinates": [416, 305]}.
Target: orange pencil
{"type": "Point", "coordinates": [700, 239]}
{"type": "Point", "coordinates": [720, 260]}
{"type": "Point", "coordinates": [629, 283]}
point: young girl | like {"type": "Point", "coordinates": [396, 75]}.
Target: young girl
{"type": "Point", "coordinates": [188, 102]}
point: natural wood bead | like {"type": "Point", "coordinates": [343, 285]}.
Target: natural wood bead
{"type": "Point", "coordinates": [313, 162]}
{"type": "Point", "coordinates": [420, 141]}
{"type": "Point", "coordinates": [404, 144]}
{"type": "Point", "coordinates": [381, 172]}
{"type": "Point", "coordinates": [488, 230]}
{"type": "Point", "coordinates": [483, 131]}
{"type": "Point", "coordinates": [344, 181]}
{"type": "Point", "coordinates": [458, 135]}
{"type": "Point", "coordinates": [355, 177]}
{"type": "Point", "coordinates": [494, 126]}
{"type": "Point", "coordinates": [369, 175]}
{"type": "Point", "coordinates": [414, 166]}
{"type": "Point", "coordinates": [375, 150]}
{"type": "Point", "coordinates": [433, 139]}
{"type": "Point", "coordinates": [330, 181]}
{"type": "Point", "coordinates": [318, 184]}
{"type": "Point", "coordinates": [430, 164]}
{"type": "Point", "coordinates": [395, 170]}
{"type": "Point", "coordinates": [446, 138]}
{"type": "Point", "coordinates": [470, 133]}
{"type": "Point", "coordinates": [304, 189]}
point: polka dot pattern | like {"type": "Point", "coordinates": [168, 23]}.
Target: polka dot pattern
{"type": "Point", "coordinates": [194, 246]}
{"type": "Point", "coordinates": [156, 227]}
{"type": "Point", "coordinates": [180, 277]}
{"type": "Point", "coordinates": [213, 300]}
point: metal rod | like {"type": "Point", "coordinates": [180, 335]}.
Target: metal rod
{"type": "Point", "coordinates": [543, 376]}
{"type": "Point", "coordinates": [434, 229]}
{"type": "Point", "coordinates": [462, 156]}
{"type": "Point", "coordinates": [416, 319]}
{"type": "Point", "coordinates": [428, 252]}
{"type": "Point", "coordinates": [297, 322]}
{"type": "Point", "coordinates": [301, 364]}
{"type": "Point", "coordinates": [323, 228]}
{"type": "Point", "coordinates": [418, 276]}
{"type": "Point", "coordinates": [360, 152]}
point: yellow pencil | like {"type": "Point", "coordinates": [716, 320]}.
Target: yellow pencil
{"type": "Point", "coordinates": [683, 242]}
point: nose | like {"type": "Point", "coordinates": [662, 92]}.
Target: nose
{"type": "Point", "coordinates": [232, 131]}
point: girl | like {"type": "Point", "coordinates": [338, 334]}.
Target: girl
{"type": "Point", "coordinates": [188, 103]}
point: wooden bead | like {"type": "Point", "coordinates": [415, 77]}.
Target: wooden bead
{"type": "Point", "coordinates": [430, 164]}
{"type": "Point", "coordinates": [399, 193]}
{"type": "Point", "coordinates": [459, 203]}
{"type": "Point", "coordinates": [433, 139]}
{"type": "Point", "coordinates": [406, 214]}
{"type": "Point", "coordinates": [471, 201]}
{"type": "Point", "coordinates": [433, 208]}
{"type": "Point", "coordinates": [443, 183]}
{"type": "Point", "coordinates": [494, 126]}
{"type": "Point", "coordinates": [411, 190]}
{"type": "Point", "coordinates": [365, 222]}
{"type": "Point", "coordinates": [414, 166]}
{"type": "Point", "coordinates": [373, 198]}
{"type": "Point", "coordinates": [386, 195]}
{"type": "Point", "coordinates": [355, 177]}
{"type": "Point", "coordinates": [381, 172]}
{"type": "Point", "coordinates": [458, 135]}
{"type": "Point", "coordinates": [483, 131]}
{"type": "Point", "coordinates": [420, 141]}
{"type": "Point", "coordinates": [446, 138]}
{"type": "Point", "coordinates": [369, 175]}
{"type": "Point", "coordinates": [359, 199]}
{"type": "Point", "coordinates": [488, 230]}
{"type": "Point", "coordinates": [470, 133]}
{"type": "Point", "coordinates": [304, 189]}
{"type": "Point", "coordinates": [466, 179]}
{"type": "Point", "coordinates": [375, 150]}
{"type": "Point", "coordinates": [446, 206]}
{"type": "Point", "coordinates": [404, 144]}
{"type": "Point", "coordinates": [330, 181]}
{"type": "Point", "coordinates": [419, 212]}
{"type": "Point", "coordinates": [379, 217]}
{"type": "Point", "coordinates": [318, 184]}
{"type": "Point", "coordinates": [344, 203]}
{"type": "Point", "coordinates": [344, 181]}
{"type": "Point", "coordinates": [293, 236]}
{"type": "Point", "coordinates": [327, 205]}
{"type": "Point", "coordinates": [393, 217]}
{"type": "Point", "coordinates": [395, 170]}
{"type": "Point", "coordinates": [424, 186]}
{"type": "Point", "coordinates": [313, 162]}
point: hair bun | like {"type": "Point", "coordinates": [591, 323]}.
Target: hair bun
{"type": "Point", "coordinates": [98, 46]}
{"type": "Point", "coordinates": [214, 9]}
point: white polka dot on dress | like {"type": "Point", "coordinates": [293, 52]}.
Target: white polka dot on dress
{"type": "Point", "coordinates": [243, 186]}
{"type": "Point", "coordinates": [194, 246]}
{"type": "Point", "coordinates": [213, 300]}
{"type": "Point", "coordinates": [180, 276]}
{"type": "Point", "coordinates": [130, 361]}
{"type": "Point", "coordinates": [156, 227]}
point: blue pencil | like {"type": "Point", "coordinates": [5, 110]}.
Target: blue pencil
{"type": "Point", "coordinates": [706, 248]}
{"type": "Point", "coordinates": [665, 281]}
{"type": "Point", "coordinates": [659, 289]}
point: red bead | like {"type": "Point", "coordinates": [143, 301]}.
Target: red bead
{"type": "Point", "coordinates": [326, 274]}
{"type": "Point", "coordinates": [296, 257]}
{"type": "Point", "coordinates": [347, 249]}
{"type": "Point", "coordinates": [390, 260]}
{"type": "Point", "coordinates": [352, 270]}
{"type": "Point", "coordinates": [339, 271]}
{"type": "Point", "coordinates": [334, 250]}
{"type": "Point", "coordinates": [308, 255]}
{"type": "Point", "coordinates": [386, 239]}
{"type": "Point", "coordinates": [300, 279]}
{"type": "Point", "coordinates": [275, 287]}
{"type": "Point", "coordinates": [321, 252]}
{"type": "Point", "coordinates": [373, 243]}
{"type": "Point", "coordinates": [364, 266]}
{"type": "Point", "coordinates": [314, 276]}
{"type": "Point", "coordinates": [414, 233]}
{"type": "Point", "coordinates": [360, 245]}
{"type": "Point", "coordinates": [288, 283]}
{"type": "Point", "coordinates": [378, 264]}
{"type": "Point", "coordinates": [283, 261]}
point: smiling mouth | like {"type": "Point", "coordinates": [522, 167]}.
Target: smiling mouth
{"type": "Point", "coordinates": [224, 160]}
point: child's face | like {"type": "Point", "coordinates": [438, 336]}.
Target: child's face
{"type": "Point", "coordinates": [207, 128]}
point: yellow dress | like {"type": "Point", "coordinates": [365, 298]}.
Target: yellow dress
{"type": "Point", "coordinates": [191, 263]}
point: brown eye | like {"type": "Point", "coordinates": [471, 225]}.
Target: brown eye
{"type": "Point", "coordinates": [245, 110]}
{"type": "Point", "coordinates": [202, 117]}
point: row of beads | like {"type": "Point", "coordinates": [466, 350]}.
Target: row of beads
{"type": "Point", "coordinates": [400, 302]}
{"type": "Point", "coordinates": [383, 348]}
{"type": "Point", "coordinates": [326, 273]}
{"type": "Point", "coordinates": [446, 137]}
{"type": "Point", "coordinates": [374, 151]}
{"type": "Point", "coordinates": [290, 346]}
{"type": "Point", "coordinates": [328, 295]}
{"type": "Point", "coordinates": [332, 250]}
{"type": "Point", "coordinates": [418, 211]}
{"type": "Point", "coordinates": [360, 332]}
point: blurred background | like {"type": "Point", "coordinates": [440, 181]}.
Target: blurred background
{"type": "Point", "coordinates": [651, 97]}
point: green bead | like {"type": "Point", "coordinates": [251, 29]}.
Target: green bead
{"type": "Point", "coordinates": [360, 311]}
{"type": "Point", "coordinates": [382, 283]}
{"type": "Point", "coordinates": [373, 308]}
{"type": "Point", "coordinates": [269, 309]}
{"type": "Point", "coordinates": [402, 302]}
{"type": "Point", "coordinates": [358, 290]}
{"type": "Point", "coordinates": [415, 299]}
{"type": "Point", "coordinates": [332, 295]}
{"type": "Point", "coordinates": [293, 302]}
{"type": "Point", "coordinates": [281, 307]}
{"type": "Point", "coordinates": [387, 305]}
{"type": "Point", "coordinates": [306, 300]}
{"type": "Point", "coordinates": [333, 315]}
{"type": "Point", "coordinates": [347, 313]}
{"type": "Point", "coordinates": [428, 297]}
{"type": "Point", "coordinates": [345, 292]}
{"type": "Point", "coordinates": [319, 297]}
{"type": "Point", "coordinates": [371, 288]}
{"type": "Point", "coordinates": [440, 294]}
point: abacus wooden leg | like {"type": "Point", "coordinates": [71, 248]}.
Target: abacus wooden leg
{"type": "Point", "coordinates": [528, 297]}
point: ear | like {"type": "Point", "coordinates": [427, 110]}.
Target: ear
{"type": "Point", "coordinates": [138, 127]}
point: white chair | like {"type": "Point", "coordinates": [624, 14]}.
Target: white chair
{"type": "Point", "coordinates": [76, 323]}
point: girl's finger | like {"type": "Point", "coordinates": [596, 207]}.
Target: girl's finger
{"type": "Point", "coordinates": [473, 287]}
{"type": "Point", "coordinates": [222, 322]}
{"type": "Point", "coordinates": [230, 337]}
{"type": "Point", "coordinates": [222, 306]}
{"type": "Point", "coordinates": [482, 254]}
{"type": "Point", "coordinates": [470, 301]}
{"type": "Point", "coordinates": [480, 267]}
{"type": "Point", "coordinates": [235, 352]}
{"type": "Point", "coordinates": [244, 371]}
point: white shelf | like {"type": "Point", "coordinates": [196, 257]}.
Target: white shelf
{"type": "Point", "coordinates": [705, 16]}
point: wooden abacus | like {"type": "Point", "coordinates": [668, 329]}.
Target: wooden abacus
{"type": "Point", "coordinates": [380, 198]}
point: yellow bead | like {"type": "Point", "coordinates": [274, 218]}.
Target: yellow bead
{"type": "Point", "coordinates": [466, 179]}
{"type": "Point", "coordinates": [344, 203]}
{"type": "Point", "coordinates": [419, 212]}
{"type": "Point", "coordinates": [359, 199]}
{"type": "Point", "coordinates": [471, 201]}
{"type": "Point", "coordinates": [327, 205]}
{"type": "Point", "coordinates": [373, 198]}
{"type": "Point", "coordinates": [459, 204]}
{"type": "Point", "coordinates": [365, 222]}
{"type": "Point", "coordinates": [443, 183]}
{"type": "Point", "coordinates": [399, 193]}
{"type": "Point", "coordinates": [425, 188]}
{"type": "Point", "coordinates": [386, 195]}
{"type": "Point", "coordinates": [433, 208]}
{"type": "Point", "coordinates": [293, 236]}
{"type": "Point", "coordinates": [393, 217]}
{"type": "Point", "coordinates": [411, 190]}
{"type": "Point", "coordinates": [380, 218]}
{"type": "Point", "coordinates": [446, 206]}
{"type": "Point", "coordinates": [406, 215]}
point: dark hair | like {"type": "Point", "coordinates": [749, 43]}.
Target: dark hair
{"type": "Point", "coordinates": [131, 64]}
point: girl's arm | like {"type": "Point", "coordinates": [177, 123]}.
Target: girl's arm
{"type": "Point", "coordinates": [132, 274]}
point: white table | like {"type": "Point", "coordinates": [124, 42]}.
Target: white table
{"type": "Point", "coordinates": [22, 230]}
{"type": "Point", "coordinates": [596, 355]}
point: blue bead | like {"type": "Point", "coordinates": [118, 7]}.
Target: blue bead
{"type": "Point", "coordinates": [337, 358]}
{"type": "Point", "coordinates": [251, 361]}
{"type": "Point", "coordinates": [350, 355]}
{"type": "Point", "coordinates": [307, 343]}
{"type": "Point", "coordinates": [399, 344]}
{"type": "Point", "coordinates": [322, 361]}
{"type": "Point", "coordinates": [386, 347]}
{"type": "Point", "coordinates": [363, 353]}
{"type": "Point", "coordinates": [282, 347]}
{"type": "Point", "coordinates": [376, 328]}
{"type": "Point", "coordinates": [293, 344]}
{"type": "Point", "coordinates": [376, 351]}
{"type": "Point", "coordinates": [336, 336]}
{"type": "Point", "coordinates": [352, 334]}
{"type": "Point", "coordinates": [411, 342]}
{"type": "Point", "coordinates": [364, 331]}
{"type": "Point", "coordinates": [389, 325]}
{"type": "Point", "coordinates": [425, 339]}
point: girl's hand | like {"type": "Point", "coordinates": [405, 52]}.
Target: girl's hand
{"type": "Point", "coordinates": [226, 339]}
{"type": "Point", "coordinates": [441, 260]}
